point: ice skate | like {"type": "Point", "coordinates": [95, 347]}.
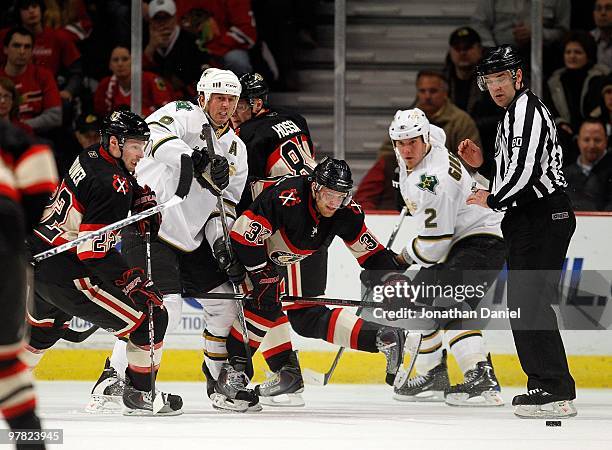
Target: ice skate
{"type": "Point", "coordinates": [424, 388]}
{"type": "Point", "coordinates": [390, 342]}
{"type": "Point", "coordinates": [210, 388]}
{"type": "Point", "coordinates": [140, 403]}
{"type": "Point", "coordinates": [230, 391]}
{"type": "Point", "coordinates": [539, 404]}
{"type": "Point", "coordinates": [480, 388]}
{"type": "Point", "coordinates": [107, 394]}
{"type": "Point", "coordinates": [283, 388]}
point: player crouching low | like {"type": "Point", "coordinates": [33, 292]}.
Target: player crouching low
{"type": "Point", "coordinates": [286, 223]}
{"type": "Point", "coordinates": [453, 238]}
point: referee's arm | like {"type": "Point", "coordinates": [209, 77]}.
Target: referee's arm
{"type": "Point", "coordinates": [526, 138]}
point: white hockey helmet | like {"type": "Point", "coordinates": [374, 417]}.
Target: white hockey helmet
{"type": "Point", "coordinates": [408, 124]}
{"type": "Point", "coordinates": [218, 81]}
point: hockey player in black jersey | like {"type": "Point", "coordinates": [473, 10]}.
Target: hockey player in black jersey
{"type": "Point", "coordinates": [27, 177]}
{"type": "Point", "coordinates": [278, 143]}
{"type": "Point", "coordinates": [94, 282]}
{"type": "Point", "coordinates": [285, 224]}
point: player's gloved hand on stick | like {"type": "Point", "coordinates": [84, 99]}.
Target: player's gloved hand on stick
{"type": "Point", "coordinates": [211, 173]}
{"type": "Point", "coordinates": [229, 264]}
{"type": "Point", "coordinates": [138, 288]}
{"type": "Point", "coordinates": [375, 277]}
{"type": "Point", "coordinates": [144, 198]}
{"type": "Point", "coordinates": [266, 288]}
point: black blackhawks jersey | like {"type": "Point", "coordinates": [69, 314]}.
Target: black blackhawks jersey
{"type": "Point", "coordinates": [96, 192]}
{"type": "Point", "coordinates": [283, 225]}
{"type": "Point", "coordinates": [278, 143]}
{"type": "Point", "coordinates": [27, 171]}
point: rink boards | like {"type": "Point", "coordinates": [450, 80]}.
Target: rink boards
{"type": "Point", "coordinates": [590, 351]}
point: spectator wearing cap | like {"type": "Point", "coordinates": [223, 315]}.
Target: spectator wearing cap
{"type": "Point", "coordinates": [53, 49]}
{"type": "Point", "coordinates": [465, 51]}
{"type": "Point", "coordinates": [573, 90]}
{"type": "Point", "coordinates": [9, 104]}
{"type": "Point", "coordinates": [87, 129]}
{"type": "Point", "coordinates": [170, 51]}
{"type": "Point", "coordinates": [115, 90]}
{"type": "Point", "coordinates": [41, 106]}
{"type": "Point", "coordinates": [587, 177]}
{"type": "Point", "coordinates": [602, 33]}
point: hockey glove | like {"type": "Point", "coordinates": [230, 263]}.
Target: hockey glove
{"type": "Point", "coordinates": [144, 198]}
{"type": "Point", "coordinates": [230, 265]}
{"type": "Point", "coordinates": [375, 277]}
{"type": "Point", "coordinates": [266, 288]}
{"type": "Point", "coordinates": [212, 174]}
{"type": "Point", "coordinates": [138, 288]}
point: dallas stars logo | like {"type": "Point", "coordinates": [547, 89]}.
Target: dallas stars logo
{"type": "Point", "coordinates": [428, 183]}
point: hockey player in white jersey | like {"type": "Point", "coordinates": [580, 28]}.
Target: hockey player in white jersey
{"type": "Point", "coordinates": [452, 236]}
{"type": "Point", "coordinates": [190, 242]}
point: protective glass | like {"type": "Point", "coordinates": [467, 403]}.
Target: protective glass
{"type": "Point", "coordinates": [334, 199]}
{"type": "Point", "coordinates": [490, 81]}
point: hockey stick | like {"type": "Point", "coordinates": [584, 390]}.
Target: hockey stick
{"type": "Point", "coordinates": [210, 149]}
{"type": "Point", "coordinates": [184, 184]}
{"type": "Point", "coordinates": [157, 402]}
{"type": "Point", "coordinates": [79, 336]}
{"type": "Point", "coordinates": [321, 379]}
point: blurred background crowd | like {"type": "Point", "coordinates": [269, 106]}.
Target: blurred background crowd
{"type": "Point", "coordinates": [67, 63]}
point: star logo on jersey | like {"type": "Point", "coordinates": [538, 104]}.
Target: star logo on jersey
{"type": "Point", "coordinates": [290, 197]}
{"type": "Point", "coordinates": [120, 184]}
{"type": "Point", "coordinates": [428, 183]}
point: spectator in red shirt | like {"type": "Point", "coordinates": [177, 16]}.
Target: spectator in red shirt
{"type": "Point", "coordinates": [40, 104]}
{"type": "Point", "coordinates": [9, 104]}
{"type": "Point", "coordinates": [224, 28]}
{"type": "Point", "coordinates": [115, 90]}
{"type": "Point", "coordinates": [53, 49]}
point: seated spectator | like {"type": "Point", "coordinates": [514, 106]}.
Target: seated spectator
{"type": "Point", "coordinates": [115, 90]}
{"type": "Point", "coordinates": [9, 104]}
{"type": "Point", "coordinates": [41, 106]}
{"type": "Point", "coordinates": [465, 51]}
{"type": "Point", "coordinates": [509, 22]}
{"type": "Point", "coordinates": [87, 129]}
{"type": "Point", "coordinates": [225, 29]}
{"type": "Point", "coordinates": [53, 49]}
{"type": "Point", "coordinates": [587, 176]}
{"type": "Point", "coordinates": [602, 15]}
{"type": "Point", "coordinates": [172, 52]}
{"type": "Point", "coordinates": [70, 16]}
{"type": "Point", "coordinates": [604, 111]}
{"type": "Point", "coordinates": [572, 91]}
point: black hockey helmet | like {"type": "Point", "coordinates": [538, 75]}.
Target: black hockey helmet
{"type": "Point", "coordinates": [124, 124]}
{"type": "Point", "coordinates": [498, 59]}
{"type": "Point", "coordinates": [334, 174]}
{"type": "Point", "coordinates": [253, 87]}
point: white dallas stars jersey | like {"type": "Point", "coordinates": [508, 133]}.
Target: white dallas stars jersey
{"type": "Point", "coordinates": [435, 193]}
{"type": "Point", "coordinates": [175, 130]}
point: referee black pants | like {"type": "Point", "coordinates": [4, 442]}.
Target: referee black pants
{"type": "Point", "coordinates": [537, 236]}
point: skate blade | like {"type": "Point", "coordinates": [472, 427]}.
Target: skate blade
{"type": "Point", "coordinates": [485, 399]}
{"type": "Point", "coordinates": [554, 410]}
{"type": "Point", "coordinates": [221, 403]}
{"type": "Point", "coordinates": [423, 397]}
{"type": "Point", "coordinates": [283, 400]}
{"type": "Point", "coordinates": [148, 413]}
{"type": "Point", "coordinates": [104, 404]}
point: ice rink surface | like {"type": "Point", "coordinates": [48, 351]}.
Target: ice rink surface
{"type": "Point", "coordinates": [335, 417]}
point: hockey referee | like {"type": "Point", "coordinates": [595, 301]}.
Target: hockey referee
{"type": "Point", "coordinates": [527, 183]}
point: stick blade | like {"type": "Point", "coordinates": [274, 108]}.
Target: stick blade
{"type": "Point", "coordinates": [158, 403]}
{"type": "Point", "coordinates": [313, 378]}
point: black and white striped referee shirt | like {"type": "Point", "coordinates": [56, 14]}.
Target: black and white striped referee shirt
{"type": "Point", "coordinates": [528, 156]}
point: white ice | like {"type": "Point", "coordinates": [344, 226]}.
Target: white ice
{"type": "Point", "coordinates": [335, 417]}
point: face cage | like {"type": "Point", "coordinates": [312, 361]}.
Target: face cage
{"type": "Point", "coordinates": [482, 84]}
{"type": "Point", "coordinates": [345, 201]}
